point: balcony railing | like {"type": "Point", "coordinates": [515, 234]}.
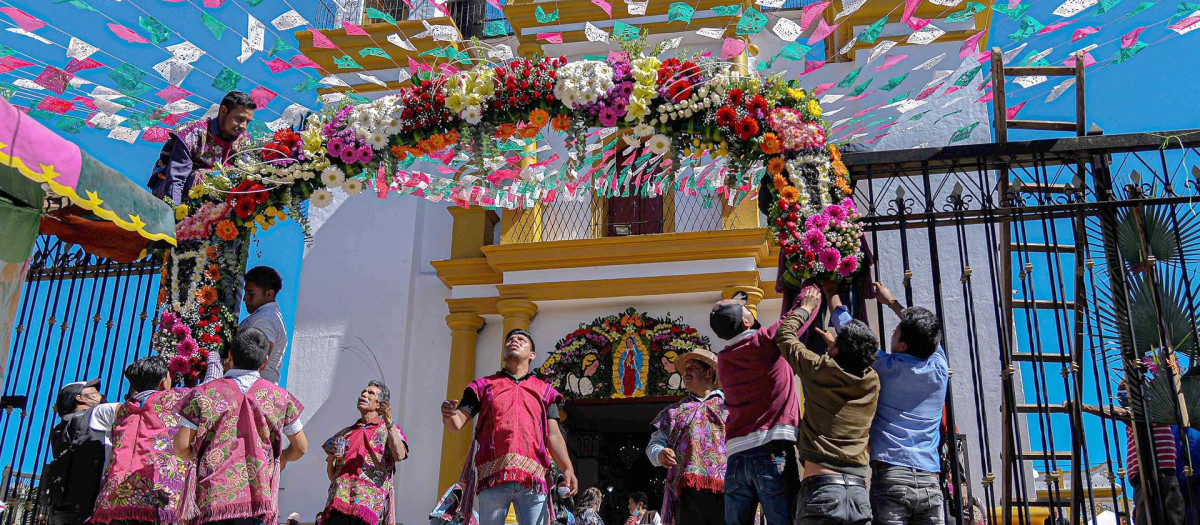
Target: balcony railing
{"type": "Point", "coordinates": [590, 218]}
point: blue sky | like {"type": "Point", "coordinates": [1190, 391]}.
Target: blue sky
{"type": "Point", "coordinates": [1153, 91]}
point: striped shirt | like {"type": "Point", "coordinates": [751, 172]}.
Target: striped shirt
{"type": "Point", "coordinates": [1164, 448]}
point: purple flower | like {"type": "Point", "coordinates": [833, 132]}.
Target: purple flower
{"type": "Point", "coordinates": [847, 266]}
{"type": "Point", "coordinates": [179, 365]}
{"type": "Point", "coordinates": [625, 90]}
{"type": "Point", "coordinates": [619, 106]}
{"type": "Point", "coordinates": [836, 213]}
{"type": "Point", "coordinates": [817, 222]}
{"type": "Point", "coordinates": [365, 153]}
{"type": "Point", "coordinates": [186, 347]}
{"type": "Point", "coordinates": [181, 331]}
{"type": "Point", "coordinates": [813, 240]}
{"type": "Point", "coordinates": [608, 117]}
{"type": "Point", "coordinates": [830, 258]}
{"type": "Point", "coordinates": [334, 147]}
{"type": "Point", "coordinates": [168, 320]}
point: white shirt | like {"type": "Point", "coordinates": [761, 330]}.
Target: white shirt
{"type": "Point", "coordinates": [245, 379]}
{"type": "Point", "coordinates": [104, 416]}
{"type": "Point", "coordinates": [268, 319]}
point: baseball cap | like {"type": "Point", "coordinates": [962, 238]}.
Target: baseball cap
{"type": "Point", "coordinates": [726, 317]}
{"type": "Point", "coordinates": [66, 395]}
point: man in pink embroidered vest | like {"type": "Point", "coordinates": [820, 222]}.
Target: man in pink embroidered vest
{"type": "Point", "coordinates": [200, 145]}
{"type": "Point", "coordinates": [362, 460]}
{"type": "Point", "coordinates": [144, 481]}
{"type": "Point", "coordinates": [516, 434]}
{"type": "Point", "coordinates": [233, 428]}
{"type": "Point", "coordinates": [689, 440]}
{"type": "Point", "coordinates": [760, 433]}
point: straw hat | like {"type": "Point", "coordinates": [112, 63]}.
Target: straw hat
{"type": "Point", "coordinates": [705, 356]}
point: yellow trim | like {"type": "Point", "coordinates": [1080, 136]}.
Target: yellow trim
{"type": "Point", "coordinates": [629, 287]}
{"type": "Point", "coordinates": [458, 272]}
{"type": "Point", "coordinates": [91, 203]}
{"type": "Point", "coordinates": [464, 338]}
{"type": "Point", "coordinates": [633, 249]}
{"type": "Point", "coordinates": [477, 305]}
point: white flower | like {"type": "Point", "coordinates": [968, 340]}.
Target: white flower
{"type": "Point", "coordinates": [333, 176]}
{"type": "Point", "coordinates": [378, 142]}
{"type": "Point", "coordinates": [643, 130]}
{"type": "Point", "coordinates": [321, 198]}
{"type": "Point", "coordinates": [687, 113]}
{"type": "Point", "coordinates": [353, 187]}
{"type": "Point", "coordinates": [392, 126]}
{"type": "Point", "coordinates": [658, 144]}
{"type": "Point", "coordinates": [631, 140]}
{"type": "Point", "coordinates": [472, 115]}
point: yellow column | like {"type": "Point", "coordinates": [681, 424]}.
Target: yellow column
{"type": "Point", "coordinates": [518, 313]}
{"type": "Point", "coordinates": [464, 336]}
{"type": "Point", "coordinates": [754, 296]}
{"type": "Point", "coordinates": [473, 229]}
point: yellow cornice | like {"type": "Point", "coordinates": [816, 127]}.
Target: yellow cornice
{"type": "Point", "coordinates": [460, 272]}
{"type": "Point", "coordinates": [872, 11]}
{"type": "Point", "coordinates": [475, 305]}
{"type": "Point", "coordinates": [636, 286]}
{"type": "Point", "coordinates": [667, 247]}
{"type": "Point", "coordinates": [378, 32]}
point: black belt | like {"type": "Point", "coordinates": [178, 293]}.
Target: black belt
{"type": "Point", "coordinates": [836, 479]}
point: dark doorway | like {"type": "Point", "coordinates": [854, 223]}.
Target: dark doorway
{"type": "Point", "coordinates": [607, 440]}
{"type": "Point", "coordinates": [634, 215]}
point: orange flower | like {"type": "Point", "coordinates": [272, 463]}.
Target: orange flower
{"type": "Point", "coordinates": [789, 194]}
{"type": "Point", "coordinates": [451, 137]}
{"type": "Point", "coordinates": [213, 273]}
{"type": "Point", "coordinates": [437, 142]}
{"type": "Point", "coordinates": [779, 181]}
{"type": "Point", "coordinates": [210, 252]}
{"type": "Point", "coordinates": [399, 152]}
{"type": "Point", "coordinates": [226, 230]}
{"type": "Point", "coordinates": [206, 295]}
{"type": "Point", "coordinates": [770, 144]}
{"type": "Point", "coordinates": [505, 131]}
{"type": "Point", "coordinates": [775, 165]}
{"type": "Point", "coordinates": [538, 118]}
{"type": "Point", "coordinates": [841, 184]}
{"type": "Point", "coordinates": [162, 296]}
{"type": "Point", "coordinates": [528, 132]}
{"type": "Point", "coordinates": [561, 123]}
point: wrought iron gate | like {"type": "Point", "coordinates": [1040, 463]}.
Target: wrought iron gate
{"type": "Point", "coordinates": [81, 317]}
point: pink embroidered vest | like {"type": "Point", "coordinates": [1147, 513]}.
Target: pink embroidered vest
{"type": "Point", "coordinates": [362, 486]}
{"type": "Point", "coordinates": [207, 148]}
{"type": "Point", "coordinates": [237, 469]}
{"type": "Point", "coordinates": [512, 431]}
{"type": "Point", "coordinates": [145, 480]}
{"type": "Point", "coordinates": [696, 432]}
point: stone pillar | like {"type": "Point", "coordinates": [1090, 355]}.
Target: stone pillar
{"type": "Point", "coordinates": [464, 336]}
{"type": "Point", "coordinates": [754, 296]}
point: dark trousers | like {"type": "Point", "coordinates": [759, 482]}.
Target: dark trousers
{"type": "Point", "coordinates": [833, 499]}
{"type": "Point", "coordinates": [766, 475]}
{"type": "Point", "coordinates": [1171, 508]}
{"type": "Point", "coordinates": [700, 507]}
{"type": "Point", "coordinates": [905, 496]}
{"type": "Point", "coordinates": [333, 517]}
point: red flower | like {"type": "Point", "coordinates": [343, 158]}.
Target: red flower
{"type": "Point", "coordinates": [244, 208]}
{"type": "Point", "coordinates": [746, 128]}
{"type": "Point", "coordinates": [725, 116]}
{"type": "Point", "coordinates": [679, 90]}
{"type": "Point", "coordinates": [757, 106]}
{"type": "Point", "coordinates": [735, 97]}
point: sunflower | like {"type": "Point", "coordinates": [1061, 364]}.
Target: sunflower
{"type": "Point", "coordinates": [226, 231]}
{"type": "Point", "coordinates": [206, 295]}
{"type": "Point", "coordinates": [770, 144]}
{"type": "Point", "coordinates": [775, 166]}
{"type": "Point", "coordinates": [538, 118]}
{"type": "Point", "coordinates": [561, 123]}
{"type": "Point", "coordinates": [789, 194]}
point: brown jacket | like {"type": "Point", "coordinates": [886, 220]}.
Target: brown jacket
{"type": "Point", "coordinates": [838, 406]}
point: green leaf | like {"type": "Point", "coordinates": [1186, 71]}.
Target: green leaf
{"type": "Point", "coordinates": [345, 62]}
{"type": "Point", "coordinates": [963, 133]}
{"type": "Point", "coordinates": [872, 32]}
{"type": "Point", "coordinates": [373, 51]}
{"type": "Point", "coordinates": [545, 18]}
{"type": "Point", "coordinates": [227, 80]}
{"type": "Point", "coordinates": [751, 22]}
{"type": "Point", "coordinates": [159, 33]}
{"type": "Point", "coordinates": [214, 26]}
{"type": "Point", "coordinates": [375, 13]}
{"type": "Point", "coordinates": [680, 12]}
{"type": "Point", "coordinates": [895, 81]}
{"type": "Point", "coordinates": [849, 80]}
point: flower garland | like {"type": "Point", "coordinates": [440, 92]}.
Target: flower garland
{"type": "Point", "coordinates": [587, 363]}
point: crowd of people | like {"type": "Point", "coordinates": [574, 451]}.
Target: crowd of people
{"type": "Point", "coordinates": [738, 448]}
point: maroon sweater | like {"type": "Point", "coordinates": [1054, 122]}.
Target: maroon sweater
{"type": "Point", "coordinates": [760, 391]}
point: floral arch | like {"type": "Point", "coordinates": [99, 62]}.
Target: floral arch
{"type": "Point", "coordinates": [621, 356]}
{"type": "Point", "coordinates": [477, 137]}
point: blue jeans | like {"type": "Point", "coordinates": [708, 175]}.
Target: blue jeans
{"type": "Point", "coordinates": [531, 505]}
{"type": "Point", "coordinates": [904, 496]}
{"type": "Point", "coordinates": [765, 475]}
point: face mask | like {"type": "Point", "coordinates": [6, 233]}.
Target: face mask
{"type": "Point", "coordinates": [563, 491]}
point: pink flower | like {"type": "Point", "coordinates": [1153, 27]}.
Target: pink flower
{"type": "Point", "coordinates": [847, 266]}
{"type": "Point", "coordinates": [817, 222]}
{"type": "Point", "coordinates": [181, 331]}
{"type": "Point", "coordinates": [179, 365]}
{"type": "Point", "coordinates": [813, 240]}
{"type": "Point", "coordinates": [836, 213]}
{"type": "Point", "coordinates": [334, 147]}
{"type": "Point", "coordinates": [168, 320]}
{"type": "Point", "coordinates": [365, 154]}
{"type": "Point", "coordinates": [608, 117]}
{"type": "Point", "coordinates": [186, 347]}
{"type": "Point", "coordinates": [830, 258]}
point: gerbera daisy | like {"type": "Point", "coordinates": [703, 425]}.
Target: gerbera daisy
{"type": "Point", "coordinates": [775, 167]}
{"type": "Point", "coordinates": [813, 240]}
{"type": "Point", "coordinates": [789, 194]}
{"type": "Point", "coordinates": [770, 144]}
{"type": "Point", "coordinates": [538, 118]}
{"type": "Point", "coordinates": [505, 131]}
{"type": "Point", "coordinates": [847, 266]}
{"type": "Point", "coordinates": [353, 187]}
{"type": "Point", "coordinates": [830, 258]}
{"type": "Point", "coordinates": [206, 295]}
{"type": "Point", "coordinates": [244, 208]}
{"type": "Point", "coordinates": [608, 117]}
{"type": "Point", "coordinates": [321, 198]}
{"type": "Point", "coordinates": [725, 116]}
{"type": "Point", "coordinates": [659, 144]}
{"type": "Point", "coordinates": [561, 123]}
{"type": "Point", "coordinates": [746, 128]}
{"type": "Point", "coordinates": [333, 176]}
{"type": "Point", "coordinates": [757, 106]}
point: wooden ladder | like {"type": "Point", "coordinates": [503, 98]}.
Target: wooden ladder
{"type": "Point", "coordinates": [1017, 411]}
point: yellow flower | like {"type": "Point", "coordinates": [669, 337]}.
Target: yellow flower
{"type": "Point", "coordinates": [320, 163]}
{"type": "Point", "coordinates": [181, 212]}
{"type": "Point", "coordinates": [271, 210]}
{"type": "Point", "coordinates": [814, 108]}
{"type": "Point", "coordinates": [196, 192]}
{"type": "Point", "coordinates": [797, 94]}
{"type": "Point", "coordinates": [281, 215]}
